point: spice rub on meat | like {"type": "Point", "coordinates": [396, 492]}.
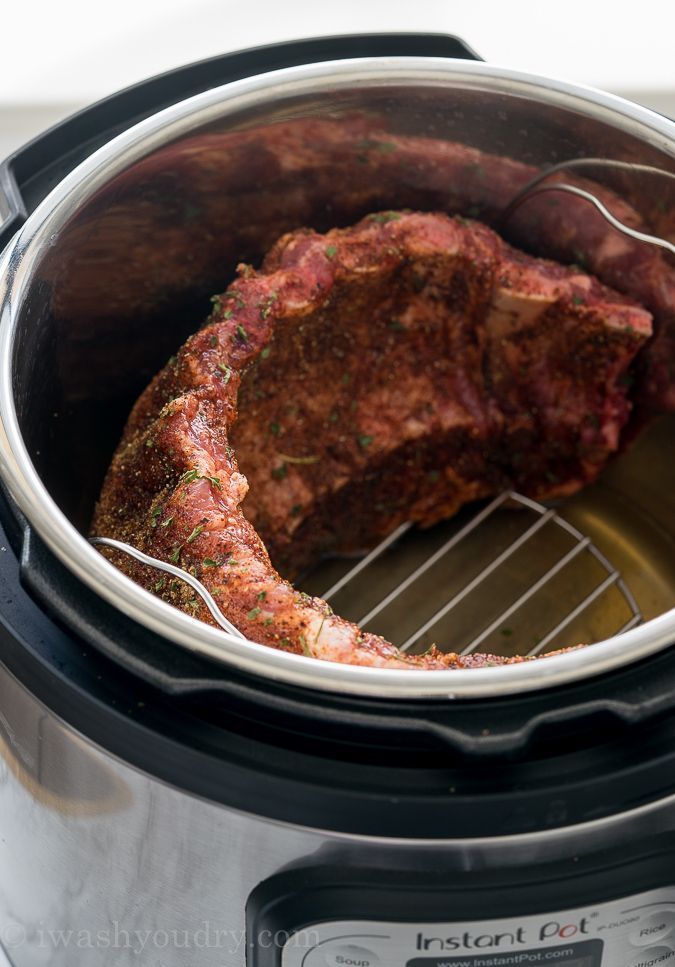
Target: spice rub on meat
{"type": "Point", "coordinates": [390, 371]}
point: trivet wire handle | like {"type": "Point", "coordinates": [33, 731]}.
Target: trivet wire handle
{"type": "Point", "coordinates": [177, 572]}
{"type": "Point", "coordinates": [535, 187]}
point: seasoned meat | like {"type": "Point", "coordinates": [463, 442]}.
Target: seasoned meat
{"type": "Point", "coordinates": [218, 197]}
{"type": "Point", "coordinates": [390, 371]}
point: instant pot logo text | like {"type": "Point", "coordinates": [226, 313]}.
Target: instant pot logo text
{"type": "Point", "coordinates": [473, 940]}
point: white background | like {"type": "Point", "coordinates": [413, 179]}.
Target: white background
{"type": "Point", "coordinates": [58, 55]}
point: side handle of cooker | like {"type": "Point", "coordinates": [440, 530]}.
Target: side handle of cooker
{"type": "Point", "coordinates": [28, 175]}
{"type": "Point", "coordinates": [12, 208]}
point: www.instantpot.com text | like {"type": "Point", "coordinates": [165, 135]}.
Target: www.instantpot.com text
{"type": "Point", "coordinates": [518, 959]}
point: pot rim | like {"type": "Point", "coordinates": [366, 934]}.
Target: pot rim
{"type": "Point", "coordinates": [26, 488]}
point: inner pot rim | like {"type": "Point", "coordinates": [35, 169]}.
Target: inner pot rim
{"type": "Point", "coordinates": [26, 488]}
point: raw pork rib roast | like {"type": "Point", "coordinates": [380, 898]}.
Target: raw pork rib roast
{"type": "Point", "coordinates": [387, 372]}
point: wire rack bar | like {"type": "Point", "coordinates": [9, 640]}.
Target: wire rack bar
{"type": "Point", "coordinates": [569, 618]}
{"type": "Point", "coordinates": [368, 559]}
{"type": "Point", "coordinates": [631, 623]}
{"type": "Point", "coordinates": [435, 557]}
{"type": "Point", "coordinates": [472, 585]}
{"type": "Point", "coordinates": [524, 598]}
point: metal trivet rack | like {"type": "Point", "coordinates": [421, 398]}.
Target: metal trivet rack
{"type": "Point", "coordinates": [581, 544]}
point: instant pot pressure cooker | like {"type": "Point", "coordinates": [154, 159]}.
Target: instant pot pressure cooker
{"type": "Point", "coordinates": [172, 795]}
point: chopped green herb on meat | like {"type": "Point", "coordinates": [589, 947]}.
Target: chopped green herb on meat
{"type": "Point", "coordinates": [195, 533]}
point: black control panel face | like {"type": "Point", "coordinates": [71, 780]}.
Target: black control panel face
{"type": "Point", "coordinates": [633, 931]}
{"type": "Point", "coordinates": [428, 947]}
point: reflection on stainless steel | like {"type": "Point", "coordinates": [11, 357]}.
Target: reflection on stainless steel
{"type": "Point", "coordinates": [132, 209]}
{"type": "Point", "coordinates": [38, 752]}
{"type": "Point", "coordinates": [177, 864]}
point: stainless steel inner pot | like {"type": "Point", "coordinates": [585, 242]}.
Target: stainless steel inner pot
{"type": "Point", "coordinates": [116, 266]}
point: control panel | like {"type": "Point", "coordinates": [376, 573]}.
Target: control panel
{"type": "Point", "coordinates": [638, 931]}
{"type": "Point", "coordinates": [314, 924]}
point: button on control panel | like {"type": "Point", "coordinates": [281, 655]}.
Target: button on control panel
{"type": "Point", "coordinates": [350, 955]}
{"type": "Point", "coordinates": [653, 927]}
{"type": "Point", "coordinates": [654, 957]}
